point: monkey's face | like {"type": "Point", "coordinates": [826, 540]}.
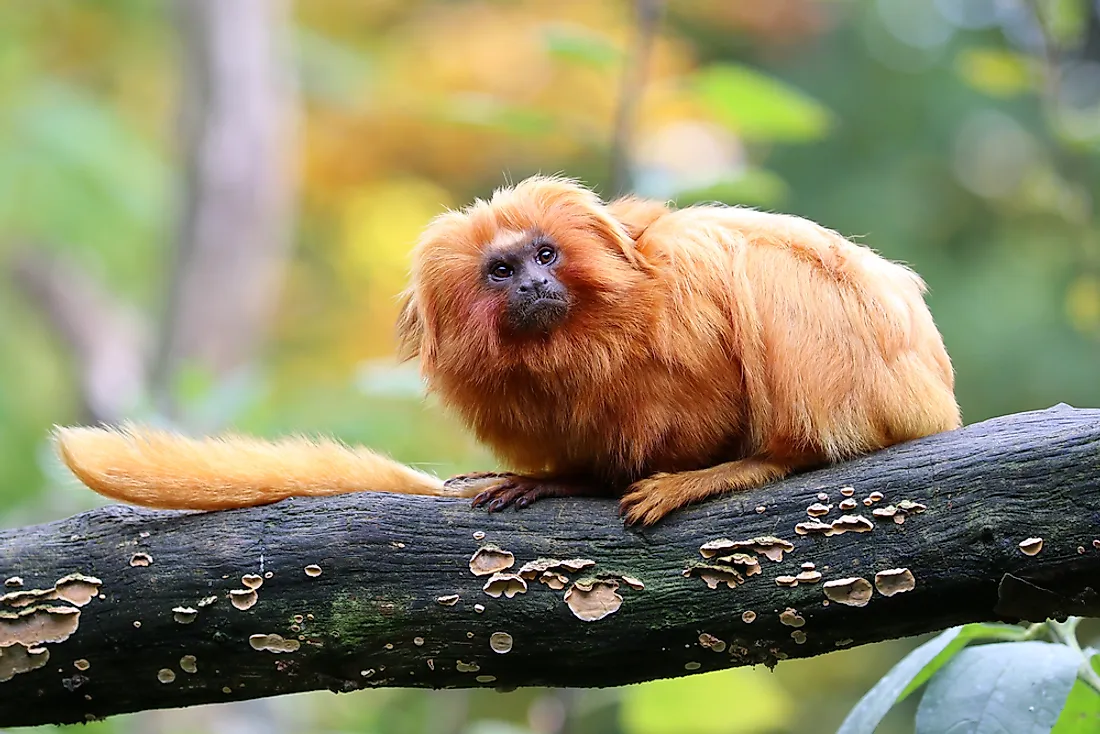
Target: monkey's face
{"type": "Point", "coordinates": [525, 273]}
{"type": "Point", "coordinates": [538, 278]}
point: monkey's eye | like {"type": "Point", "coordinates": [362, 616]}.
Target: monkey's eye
{"type": "Point", "coordinates": [500, 270]}
{"type": "Point", "coordinates": [545, 255]}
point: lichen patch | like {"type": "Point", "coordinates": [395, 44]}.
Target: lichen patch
{"type": "Point", "coordinates": [814, 527]}
{"type": "Point", "coordinates": [1031, 546]}
{"type": "Point", "coordinates": [76, 588]}
{"type": "Point", "coordinates": [742, 562]}
{"type": "Point", "coordinates": [184, 615]}
{"type": "Point", "coordinates": [710, 642]}
{"type": "Point", "coordinates": [852, 524]}
{"type": "Point", "coordinates": [713, 576]}
{"type": "Point", "coordinates": [39, 625]}
{"type": "Point", "coordinates": [852, 592]}
{"type": "Point", "coordinates": [500, 642]}
{"type": "Point", "coordinates": [508, 584]}
{"type": "Point", "coordinates": [18, 658]}
{"type": "Point", "coordinates": [894, 581]}
{"type": "Point", "coordinates": [808, 577]}
{"type": "Point", "coordinates": [490, 559]}
{"type": "Point", "coordinates": [540, 566]}
{"type": "Point", "coordinates": [791, 618]}
{"type": "Point", "coordinates": [273, 643]}
{"type": "Point", "coordinates": [141, 560]}
{"type": "Point", "coordinates": [554, 580]}
{"type": "Point", "coordinates": [243, 598]}
{"type": "Point", "coordinates": [593, 599]}
{"type": "Point", "coordinates": [767, 545]}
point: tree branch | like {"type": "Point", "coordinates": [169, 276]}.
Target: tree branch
{"type": "Point", "coordinates": [382, 611]}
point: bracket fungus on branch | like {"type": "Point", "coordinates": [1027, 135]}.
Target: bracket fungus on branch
{"type": "Point", "coordinates": [367, 590]}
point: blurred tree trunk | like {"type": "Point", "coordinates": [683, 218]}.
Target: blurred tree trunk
{"type": "Point", "coordinates": [235, 220]}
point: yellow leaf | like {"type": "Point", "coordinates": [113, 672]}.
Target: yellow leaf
{"type": "Point", "coordinates": [995, 72]}
{"type": "Point", "coordinates": [699, 704]}
{"type": "Point", "coordinates": [1083, 304]}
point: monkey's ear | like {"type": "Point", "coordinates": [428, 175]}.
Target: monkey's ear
{"type": "Point", "coordinates": [410, 329]}
{"type": "Point", "coordinates": [636, 214]}
{"type": "Point", "coordinates": [621, 235]}
{"type": "Point", "coordinates": [415, 331]}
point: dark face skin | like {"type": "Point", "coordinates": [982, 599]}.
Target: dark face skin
{"type": "Point", "coordinates": [537, 300]}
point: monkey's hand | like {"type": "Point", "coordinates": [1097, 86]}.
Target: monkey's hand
{"type": "Point", "coordinates": [499, 490]}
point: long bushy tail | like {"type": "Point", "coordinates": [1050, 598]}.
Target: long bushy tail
{"type": "Point", "coordinates": [157, 468]}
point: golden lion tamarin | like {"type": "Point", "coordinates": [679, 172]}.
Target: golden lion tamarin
{"type": "Point", "coordinates": [663, 356]}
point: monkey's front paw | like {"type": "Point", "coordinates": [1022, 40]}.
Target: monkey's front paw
{"type": "Point", "coordinates": [648, 500]}
{"type": "Point", "coordinates": [505, 490]}
{"type": "Point", "coordinates": [520, 491]}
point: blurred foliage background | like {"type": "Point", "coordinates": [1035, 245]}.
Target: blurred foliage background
{"type": "Point", "coordinates": [166, 166]}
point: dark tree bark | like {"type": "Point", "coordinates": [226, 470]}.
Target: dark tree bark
{"type": "Point", "coordinates": [395, 602]}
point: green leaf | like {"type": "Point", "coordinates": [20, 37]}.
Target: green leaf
{"type": "Point", "coordinates": [575, 43]}
{"type": "Point", "coordinates": [1013, 686]}
{"type": "Point", "coordinates": [755, 187]}
{"type": "Point", "coordinates": [1081, 714]}
{"type": "Point", "coordinates": [758, 106]}
{"type": "Point", "coordinates": [915, 669]}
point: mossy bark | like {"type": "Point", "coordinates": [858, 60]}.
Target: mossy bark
{"type": "Point", "coordinates": [374, 616]}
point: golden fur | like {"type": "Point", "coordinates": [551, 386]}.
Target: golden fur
{"type": "Point", "coordinates": [705, 350]}
{"type": "Point", "coordinates": [157, 468]}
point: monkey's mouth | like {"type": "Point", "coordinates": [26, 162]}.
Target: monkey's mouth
{"type": "Point", "coordinates": [541, 313]}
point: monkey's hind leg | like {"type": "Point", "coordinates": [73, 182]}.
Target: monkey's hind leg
{"type": "Point", "coordinates": [648, 500]}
